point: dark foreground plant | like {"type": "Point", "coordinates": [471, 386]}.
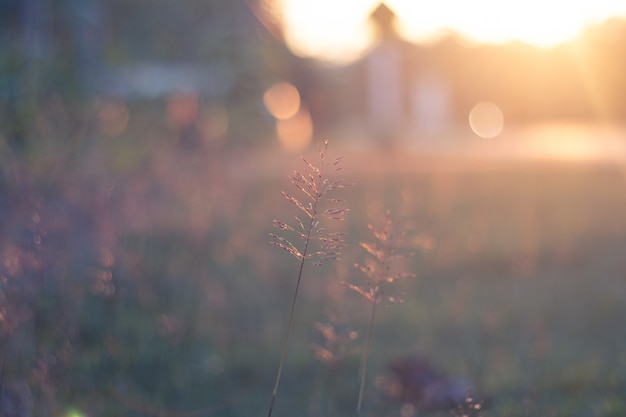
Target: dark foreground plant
{"type": "Point", "coordinates": [314, 188]}
{"type": "Point", "coordinates": [380, 271]}
{"type": "Point", "coordinates": [470, 408]}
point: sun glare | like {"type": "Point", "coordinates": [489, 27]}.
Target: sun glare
{"type": "Point", "coordinates": [339, 31]}
{"type": "Point", "coordinates": [328, 29]}
{"type": "Point", "coordinates": [538, 22]}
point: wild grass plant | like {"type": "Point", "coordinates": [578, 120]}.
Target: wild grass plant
{"type": "Point", "coordinates": [315, 190]}
{"type": "Point", "coordinates": [384, 263]}
{"type": "Point", "coordinates": [381, 271]}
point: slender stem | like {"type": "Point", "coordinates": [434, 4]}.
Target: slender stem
{"type": "Point", "coordinates": [293, 308]}
{"type": "Point", "coordinates": [370, 330]}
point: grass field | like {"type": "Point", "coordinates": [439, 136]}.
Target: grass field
{"type": "Point", "coordinates": [141, 282]}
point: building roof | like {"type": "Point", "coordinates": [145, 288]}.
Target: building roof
{"type": "Point", "coordinates": [384, 18]}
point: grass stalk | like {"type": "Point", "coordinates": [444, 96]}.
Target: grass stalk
{"type": "Point", "coordinates": [314, 187]}
{"type": "Point", "coordinates": [291, 314]}
{"type": "Point", "coordinates": [379, 271]}
{"type": "Point", "coordinates": [364, 358]}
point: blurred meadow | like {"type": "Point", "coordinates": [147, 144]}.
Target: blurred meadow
{"type": "Point", "coordinates": [143, 150]}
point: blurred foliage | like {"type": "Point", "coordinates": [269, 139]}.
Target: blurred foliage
{"type": "Point", "coordinates": [84, 50]}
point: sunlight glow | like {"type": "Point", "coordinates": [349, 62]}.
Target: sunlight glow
{"type": "Point", "coordinates": [538, 22]}
{"type": "Point", "coordinates": [572, 141]}
{"type": "Point", "coordinates": [335, 30]}
{"type": "Point", "coordinates": [340, 31]}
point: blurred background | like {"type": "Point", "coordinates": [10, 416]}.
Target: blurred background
{"type": "Point", "coordinates": [143, 149]}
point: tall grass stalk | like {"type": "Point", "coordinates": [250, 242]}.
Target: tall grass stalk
{"type": "Point", "coordinates": [314, 188]}
{"type": "Point", "coordinates": [379, 269]}
{"type": "Point", "coordinates": [365, 356]}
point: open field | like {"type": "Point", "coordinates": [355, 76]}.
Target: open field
{"type": "Point", "coordinates": [139, 281]}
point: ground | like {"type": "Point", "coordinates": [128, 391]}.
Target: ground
{"type": "Point", "coordinates": [146, 283]}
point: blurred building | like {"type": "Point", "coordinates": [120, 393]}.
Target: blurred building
{"type": "Point", "coordinates": [229, 53]}
{"type": "Point", "coordinates": [403, 96]}
{"type": "Point", "coordinates": [402, 91]}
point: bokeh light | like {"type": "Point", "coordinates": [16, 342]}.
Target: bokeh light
{"type": "Point", "coordinates": [182, 109]}
{"type": "Point", "coordinates": [282, 100]}
{"type": "Point", "coordinates": [486, 119]}
{"type": "Point", "coordinates": [295, 133]}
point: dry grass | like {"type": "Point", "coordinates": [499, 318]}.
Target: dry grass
{"type": "Point", "coordinates": [381, 271]}
{"type": "Point", "coordinates": [315, 187]}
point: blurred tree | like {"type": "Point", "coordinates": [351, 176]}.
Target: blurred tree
{"type": "Point", "coordinates": [221, 42]}
{"type": "Point", "coordinates": [76, 49]}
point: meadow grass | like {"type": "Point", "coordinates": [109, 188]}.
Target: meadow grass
{"type": "Point", "coordinates": [134, 290]}
{"type": "Point", "coordinates": [381, 271]}
{"type": "Point", "coordinates": [315, 187]}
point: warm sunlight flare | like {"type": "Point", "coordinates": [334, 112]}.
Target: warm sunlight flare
{"type": "Point", "coordinates": [328, 29]}
{"type": "Point", "coordinates": [339, 31]}
{"type": "Point", "coordinates": [573, 141]}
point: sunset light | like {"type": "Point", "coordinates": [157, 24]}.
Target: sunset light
{"type": "Point", "coordinates": [327, 28]}
{"type": "Point", "coordinates": [339, 31]}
